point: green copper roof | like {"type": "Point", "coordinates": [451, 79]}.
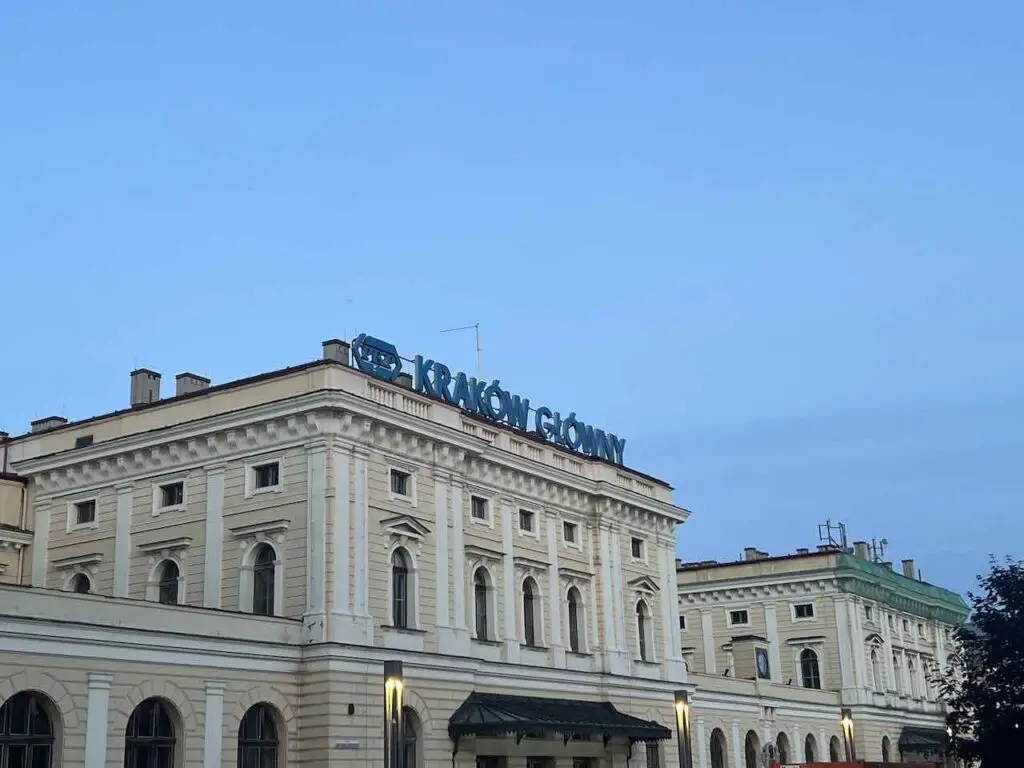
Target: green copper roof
{"type": "Point", "coordinates": [876, 582]}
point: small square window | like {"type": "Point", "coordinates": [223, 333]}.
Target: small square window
{"type": "Point", "coordinates": [526, 520]}
{"type": "Point", "coordinates": [867, 612]}
{"type": "Point", "coordinates": [804, 611]}
{"type": "Point", "coordinates": [478, 508]}
{"type": "Point", "coordinates": [83, 441]}
{"type": "Point", "coordinates": [637, 548]}
{"type": "Point", "coordinates": [738, 617]}
{"type": "Point", "coordinates": [172, 494]}
{"type": "Point", "coordinates": [400, 482]}
{"type": "Point", "coordinates": [266, 475]}
{"type": "Point", "coordinates": [85, 512]}
{"type": "Point", "coordinates": [569, 532]}
{"type": "Point", "coordinates": [682, 623]}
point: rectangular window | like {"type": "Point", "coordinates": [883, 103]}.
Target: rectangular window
{"type": "Point", "coordinates": [906, 626]}
{"type": "Point", "coordinates": [83, 441]}
{"type": "Point", "coordinates": [85, 512]}
{"type": "Point", "coordinates": [682, 623]}
{"type": "Point", "coordinates": [569, 532]}
{"type": "Point", "coordinates": [540, 762]}
{"type": "Point", "coordinates": [804, 611]}
{"type": "Point", "coordinates": [526, 520]}
{"type": "Point", "coordinates": [266, 475]}
{"type": "Point", "coordinates": [637, 548]}
{"type": "Point", "coordinates": [172, 494]}
{"type": "Point", "coordinates": [738, 617]}
{"type": "Point", "coordinates": [584, 762]}
{"type": "Point", "coordinates": [478, 508]}
{"type": "Point", "coordinates": [892, 624]}
{"type": "Point", "coordinates": [920, 630]}
{"type": "Point", "coordinates": [867, 612]}
{"type": "Point", "coordinates": [400, 482]}
{"type": "Point", "coordinates": [491, 762]}
{"type": "Point", "coordinates": [653, 758]}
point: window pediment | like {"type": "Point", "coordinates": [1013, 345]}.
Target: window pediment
{"type": "Point", "coordinates": [529, 563]}
{"type": "Point", "coordinates": [405, 526]}
{"type": "Point", "coordinates": [79, 561]}
{"type": "Point", "coordinates": [875, 639]}
{"type": "Point", "coordinates": [261, 530]}
{"type": "Point", "coordinates": [799, 641]}
{"type": "Point", "coordinates": [645, 584]}
{"type": "Point", "coordinates": [477, 552]}
{"type": "Point", "coordinates": [574, 573]}
{"type": "Point", "coordinates": [166, 545]}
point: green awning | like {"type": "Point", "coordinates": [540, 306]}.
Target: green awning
{"type": "Point", "coordinates": [915, 739]}
{"type": "Point", "coordinates": [491, 714]}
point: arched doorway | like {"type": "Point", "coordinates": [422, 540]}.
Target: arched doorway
{"type": "Point", "coordinates": [150, 738]}
{"type": "Point", "coordinates": [810, 749]}
{"type": "Point", "coordinates": [834, 749]}
{"type": "Point", "coordinates": [752, 750]}
{"type": "Point", "coordinates": [886, 749]}
{"type": "Point", "coordinates": [258, 744]}
{"type": "Point", "coordinates": [782, 744]}
{"type": "Point", "coordinates": [719, 755]}
{"type": "Point", "coordinates": [26, 731]}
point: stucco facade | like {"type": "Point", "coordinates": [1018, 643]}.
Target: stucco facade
{"type": "Point", "coordinates": [272, 542]}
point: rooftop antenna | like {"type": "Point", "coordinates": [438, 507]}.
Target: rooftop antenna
{"type": "Point", "coordinates": [828, 533]}
{"type": "Point", "coordinates": [479, 353]}
{"type": "Point", "coordinates": [878, 548]}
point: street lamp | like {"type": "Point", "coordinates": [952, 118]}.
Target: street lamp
{"type": "Point", "coordinates": [847, 723]}
{"type": "Point", "coordinates": [393, 685]}
{"type": "Point", "coordinates": [683, 729]}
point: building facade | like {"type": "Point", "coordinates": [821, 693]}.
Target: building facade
{"type": "Point", "coordinates": [219, 578]}
{"type": "Point", "coordinates": [830, 620]}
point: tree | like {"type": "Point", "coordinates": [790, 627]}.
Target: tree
{"type": "Point", "coordinates": [984, 683]}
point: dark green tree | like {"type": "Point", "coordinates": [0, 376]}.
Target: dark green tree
{"type": "Point", "coordinates": [984, 683]}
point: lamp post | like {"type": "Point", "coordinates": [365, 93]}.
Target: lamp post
{"type": "Point", "coordinates": [847, 723]}
{"type": "Point", "coordinates": [393, 731]}
{"type": "Point", "coordinates": [683, 729]}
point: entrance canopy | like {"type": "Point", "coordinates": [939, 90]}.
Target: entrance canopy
{"type": "Point", "coordinates": [915, 739]}
{"type": "Point", "coordinates": [491, 714]}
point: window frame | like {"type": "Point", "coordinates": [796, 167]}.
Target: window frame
{"type": "Point", "coordinates": [579, 626]}
{"type": "Point", "coordinates": [534, 516]}
{"type": "Point", "coordinates": [262, 745]}
{"type": "Point", "coordinates": [158, 488]}
{"type": "Point", "coordinates": [490, 634]}
{"type": "Point", "coordinates": [409, 472]}
{"type": "Point", "coordinates": [575, 542]}
{"type": "Point", "coordinates": [252, 468]}
{"type": "Point", "coordinates": [72, 514]}
{"type": "Point", "coordinates": [793, 608]}
{"type": "Point", "coordinates": [642, 557]}
{"type": "Point", "coordinates": [535, 626]}
{"type": "Point", "coordinates": [818, 676]}
{"type": "Point", "coordinates": [274, 569]}
{"type": "Point", "coordinates": [488, 518]}
{"type": "Point", "coordinates": [411, 619]}
{"type": "Point", "coordinates": [729, 617]}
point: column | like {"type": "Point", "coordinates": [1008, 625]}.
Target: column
{"type": "Point", "coordinates": [708, 636]}
{"type": "Point", "coordinates": [797, 747]}
{"type": "Point", "coordinates": [674, 668]}
{"type": "Point", "coordinates": [213, 729]}
{"type": "Point", "coordinates": [593, 627]}
{"type": "Point", "coordinates": [703, 758]}
{"type": "Point", "coordinates": [823, 745]}
{"type": "Point", "coordinates": [213, 552]}
{"type": "Point", "coordinates": [459, 562]}
{"type": "Point", "coordinates": [771, 624]}
{"type": "Point", "coordinates": [607, 602]}
{"type": "Point", "coordinates": [341, 533]}
{"type": "Point", "coordinates": [843, 629]}
{"type": "Point", "coordinates": [314, 622]}
{"type": "Point", "coordinates": [508, 597]}
{"type": "Point", "coordinates": [618, 593]}
{"type": "Point", "coordinates": [857, 644]}
{"type": "Point", "coordinates": [890, 669]}
{"type": "Point", "coordinates": [442, 591]}
{"type": "Point", "coordinates": [40, 544]}
{"type": "Point", "coordinates": [738, 755]}
{"type": "Point", "coordinates": [361, 546]}
{"type": "Point", "coordinates": [96, 720]}
{"type": "Point", "coordinates": [555, 594]}
{"type": "Point", "coordinates": [122, 540]}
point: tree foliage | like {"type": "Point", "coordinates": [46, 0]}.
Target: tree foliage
{"type": "Point", "coordinates": [984, 684]}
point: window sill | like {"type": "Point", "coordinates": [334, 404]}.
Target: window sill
{"type": "Point", "coordinates": [527, 647]}
{"type": "Point", "coordinates": [403, 630]}
{"type": "Point", "coordinates": [486, 642]}
{"type": "Point", "coordinates": [173, 508]}
{"type": "Point", "coordinates": [646, 663]}
{"type": "Point", "coordinates": [263, 491]}
{"type": "Point", "coordinates": [580, 654]}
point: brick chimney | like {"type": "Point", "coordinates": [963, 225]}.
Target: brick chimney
{"type": "Point", "coordinates": [145, 387]}
{"type": "Point", "coordinates": [908, 569]}
{"type": "Point", "coordinates": [185, 383]}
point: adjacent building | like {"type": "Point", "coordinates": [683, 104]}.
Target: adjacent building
{"type": "Point", "coordinates": [222, 575]}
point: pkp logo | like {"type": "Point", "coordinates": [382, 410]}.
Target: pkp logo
{"type": "Point", "coordinates": [377, 358]}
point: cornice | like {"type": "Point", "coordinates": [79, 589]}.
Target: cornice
{"type": "Point", "coordinates": [779, 587]}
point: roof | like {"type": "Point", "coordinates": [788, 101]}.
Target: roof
{"type": "Point", "coordinates": [494, 714]}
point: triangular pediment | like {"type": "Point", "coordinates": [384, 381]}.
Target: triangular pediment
{"type": "Point", "coordinates": [404, 525]}
{"type": "Point", "coordinates": [875, 639]}
{"type": "Point", "coordinates": [645, 584]}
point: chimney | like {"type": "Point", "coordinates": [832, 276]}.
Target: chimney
{"type": "Point", "coordinates": [887, 565]}
{"type": "Point", "coordinates": [826, 548]}
{"type": "Point", "coordinates": [749, 553]}
{"type": "Point", "coordinates": [762, 555]}
{"type": "Point", "coordinates": [908, 568]}
{"type": "Point", "coordinates": [337, 350]}
{"type": "Point", "coordinates": [47, 423]}
{"type": "Point", "coordinates": [803, 551]}
{"type": "Point", "coordinates": [184, 383]}
{"type": "Point", "coordinates": [861, 550]}
{"type": "Point", "coordinates": [145, 386]}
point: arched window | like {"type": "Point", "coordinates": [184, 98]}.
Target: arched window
{"type": "Point", "coordinates": [26, 733]}
{"type": "Point", "coordinates": [257, 738]}
{"type": "Point", "coordinates": [80, 583]}
{"type": "Point", "coordinates": [886, 747]}
{"type": "Point", "coordinates": [481, 598]}
{"type": "Point", "coordinates": [643, 620]}
{"type": "Point", "coordinates": [876, 671]}
{"type": "Point", "coordinates": [833, 749]}
{"type": "Point", "coordinates": [530, 612]}
{"type": "Point", "coordinates": [719, 754]}
{"type": "Point", "coordinates": [912, 676]}
{"type": "Point", "coordinates": [149, 740]}
{"type": "Point", "coordinates": [896, 673]}
{"type": "Point", "coordinates": [263, 578]}
{"type": "Point", "coordinates": [810, 674]}
{"type": "Point", "coordinates": [782, 744]}
{"type": "Point", "coordinates": [400, 589]}
{"type": "Point", "coordinates": [810, 749]}
{"type": "Point", "coordinates": [168, 582]}
{"type": "Point", "coordinates": [575, 619]}
{"type": "Point", "coordinates": [410, 738]}
{"type": "Point", "coordinates": [752, 750]}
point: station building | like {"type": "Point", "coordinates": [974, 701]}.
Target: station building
{"type": "Point", "coordinates": [221, 577]}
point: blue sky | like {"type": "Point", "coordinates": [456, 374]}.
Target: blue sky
{"type": "Point", "coordinates": [776, 245]}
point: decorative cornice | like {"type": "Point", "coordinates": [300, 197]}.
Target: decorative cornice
{"type": "Point", "coordinates": [644, 584]}
{"type": "Point", "coordinates": [70, 562]}
{"type": "Point", "coordinates": [166, 545]}
{"type": "Point", "coordinates": [873, 582]}
{"type": "Point", "coordinates": [266, 528]}
{"type": "Point", "coordinates": [404, 525]}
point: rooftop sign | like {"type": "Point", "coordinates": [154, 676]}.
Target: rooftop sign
{"type": "Point", "coordinates": [433, 379]}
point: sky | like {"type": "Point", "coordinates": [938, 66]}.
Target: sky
{"type": "Point", "coordinates": [775, 245]}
